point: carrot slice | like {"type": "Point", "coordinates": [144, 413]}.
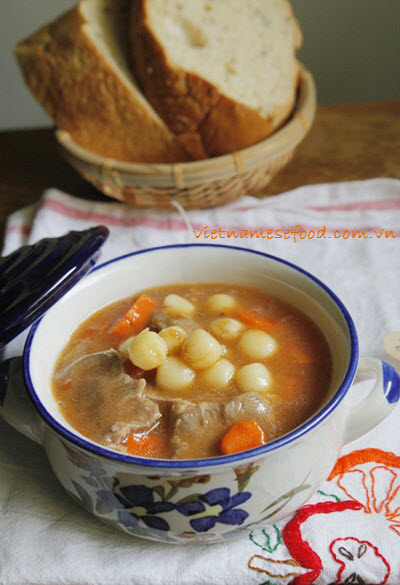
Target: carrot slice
{"type": "Point", "coordinates": [136, 318]}
{"type": "Point", "coordinates": [241, 437]}
{"type": "Point", "coordinates": [256, 321]}
{"type": "Point", "coordinates": [147, 446]}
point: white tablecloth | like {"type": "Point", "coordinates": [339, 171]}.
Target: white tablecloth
{"type": "Point", "coordinates": [46, 539]}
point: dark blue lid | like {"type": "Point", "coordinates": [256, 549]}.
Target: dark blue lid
{"type": "Point", "coordinates": [34, 277]}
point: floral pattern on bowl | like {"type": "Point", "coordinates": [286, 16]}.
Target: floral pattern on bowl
{"type": "Point", "coordinates": [138, 507]}
{"type": "Point", "coordinates": [149, 505]}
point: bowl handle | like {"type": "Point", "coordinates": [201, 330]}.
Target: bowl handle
{"type": "Point", "coordinates": [378, 404]}
{"type": "Point", "coordinates": [15, 406]}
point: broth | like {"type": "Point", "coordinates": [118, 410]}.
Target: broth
{"type": "Point", "coordinates": [257, 359]}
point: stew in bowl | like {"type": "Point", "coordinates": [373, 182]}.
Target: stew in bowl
{"type": "Point", "coordinates": [192, 371]}
{"type": "Point", "coordinates": [149, 407]}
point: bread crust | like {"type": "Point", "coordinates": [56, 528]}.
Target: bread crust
{"type": "Point", "coordinates": [85, 96]}
{"type": "Point", "coordinates": [206, 122]}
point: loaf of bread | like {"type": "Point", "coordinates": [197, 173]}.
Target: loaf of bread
{"type": "Point", "coordinates": [78, 69]}
{"type": "Point", "coordinates": [221, 73]}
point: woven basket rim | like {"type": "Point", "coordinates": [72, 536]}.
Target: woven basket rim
{"type": "Point", "coordinates": [285, 138]}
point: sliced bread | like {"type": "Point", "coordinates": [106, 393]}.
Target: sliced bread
{"type": "Point", "coordinates": [77, 67]}
{"type": "Point", "coordinates": [221, 73]}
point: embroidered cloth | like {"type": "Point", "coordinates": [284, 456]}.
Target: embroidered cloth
{"type": "Point", "coordinates": [350, 531]}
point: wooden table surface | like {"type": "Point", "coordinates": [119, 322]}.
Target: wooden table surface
{"type": "Point", "coordinates": [347, 142]}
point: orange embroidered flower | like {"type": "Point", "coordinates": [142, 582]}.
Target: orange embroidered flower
{"type": "Point", "coordinates": [370, 483]}
{"type": "Point", "coordinates": [372, 478]}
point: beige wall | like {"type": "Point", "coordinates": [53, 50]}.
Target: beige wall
{"type": "Point", "coordinates": [351, 46]}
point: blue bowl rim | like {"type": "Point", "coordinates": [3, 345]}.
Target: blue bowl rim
{"type": "Point", "coordinates": [187, 464]}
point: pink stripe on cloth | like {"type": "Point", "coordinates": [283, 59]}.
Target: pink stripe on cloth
{"type": "Point", "coordinates": [379, 205]}
{"type": "Point", "coordinates": [144, 221]}
{"type": "Point", "coordinates": [174, 224]}
{"type": "Point", "coordinates": [112, 220]}
{"type": "Point", "coordinates": [20, 229]}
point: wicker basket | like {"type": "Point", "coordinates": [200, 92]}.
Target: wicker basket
{"type": "Point", "coordinates": [198, 184]}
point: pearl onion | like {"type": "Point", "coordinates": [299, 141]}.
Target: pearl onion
{"type": "Point", "coordinates": [147, 350]}
{"type": "Point", "coordinates": [253, 378]}
{"type": "Point", "coordinates": [177, 306]}
{"type": "Point", "coordinates": [220, 374]}
{"type": "Point", "coordinates": [220, 303]}
{"type": "Point", "coordinates": [201, 350]}
{"type": "Point", "coordinates": [123, 348]}
{"type": "Point", "coordinates": [256, 344]}
{"type": "Point", "coordinates": [226, 328]}
{"type": "Point", "coordinates": [173, 336]}
{"type": "Point", "coordinates": [174, 375]}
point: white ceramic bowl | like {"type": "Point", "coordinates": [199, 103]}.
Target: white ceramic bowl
{"type": "Point", "coordinates": [205, 500]}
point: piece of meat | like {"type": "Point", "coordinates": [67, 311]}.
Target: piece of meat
{"type": "Point", "coordinates": [110, 404]}
{"type": "Point", "coordinates": [199, 428]}
{"type": "Point", "coordinates": [250, 406]}
{"type": "Point", "coordinates": [161, 320]}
